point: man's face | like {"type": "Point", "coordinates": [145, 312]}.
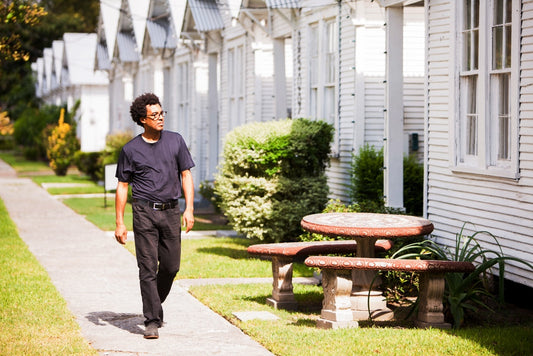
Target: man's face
{"type": "Point", "coordinates": [155, 118]}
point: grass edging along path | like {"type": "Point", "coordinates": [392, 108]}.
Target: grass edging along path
{"type": "Point", "coordinates": [34, 318]}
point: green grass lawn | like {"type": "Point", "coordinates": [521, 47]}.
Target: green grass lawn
{"type": "Point", "coordinates": [34, 318]}
{"type": "Point", "coordinates": [23, 166]}
{"type": "Point", "coordinates": [69, 178]}
{"type": "Point", "coordinates": [74, 184]}
{"type": "Point", "coordinates": [295, 333]}
{"type": "Point", "coordinates": [100, 211]}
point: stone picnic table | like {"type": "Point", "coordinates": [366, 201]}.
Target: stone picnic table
{"type": "Point", "coordinates": [366, 229]}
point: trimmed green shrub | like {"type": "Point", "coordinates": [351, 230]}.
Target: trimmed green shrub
{"type": "Point", "coordinates": [31, 129]}
{"type": "Point", "coordinates": [93, 163]}
{"type": "Point", "coordinates": [88, 163]}
{"type": "Point", "coordinates": [274, 174]}
{"type": "Point", "coordinates": [413, 186]}
{"type": "Point", "coordinates": [62, 144]}
{"type": "Point", "coordinates": [367, 177]}
{"type": "Point", "coordinates": [367, 182]}
{"type": "Point", "coordinates": [207, 191]}
{"type": "Point", "coordinates": [109, 155]}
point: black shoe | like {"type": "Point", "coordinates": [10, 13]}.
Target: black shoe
{"type": "Point", "coordinates": [151, 331]}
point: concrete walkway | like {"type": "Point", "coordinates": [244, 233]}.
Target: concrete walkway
{"type": "Point", "coordinates": [99, 280]}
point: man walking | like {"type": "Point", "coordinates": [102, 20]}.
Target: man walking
{"type": "Point", "coordinates": [157, 164]}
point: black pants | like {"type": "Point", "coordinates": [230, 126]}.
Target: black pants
{"type": "Point", "coordinates": [158, 250]}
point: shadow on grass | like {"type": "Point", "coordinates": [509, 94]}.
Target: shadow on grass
{"type": "Point", "coordinates": [259, 299]}
{"type": "Point", "coordinates": [308, 303]}
{"type": "Point", "coordinates": [310, 323]}
{"type": "Point", "coordinates": [234, 253]}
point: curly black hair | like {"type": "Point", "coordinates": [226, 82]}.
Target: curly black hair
{"type": "Point", "coordinates": [138, 106]}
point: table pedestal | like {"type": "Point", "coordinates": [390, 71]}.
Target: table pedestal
{"type": "Point", "coordinates": [336, 307]}
{"type": "Point", "coordinates": [366, 300]}
{"type": "Point", "coordinates": [282, 291]}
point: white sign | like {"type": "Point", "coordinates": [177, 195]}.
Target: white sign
{"type": "Point", "coordinates": [110, 182]}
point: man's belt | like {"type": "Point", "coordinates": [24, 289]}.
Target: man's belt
{"type": "Point", "coordinates": [156, 205]}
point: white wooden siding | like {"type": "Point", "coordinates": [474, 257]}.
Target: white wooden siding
{"type": "Point", "coordinates": [281, 25]}
{"type": "Point", "coordinates": [504, 207]}
{"type": "Point", "coordinates": [371, 69]}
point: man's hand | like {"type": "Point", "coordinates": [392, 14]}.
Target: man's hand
{"type": "Point", "coordinates": [188, 220]}
{"type": "Point", "coordinates": [188, 192]}
{"type": "Point", "coordinates": [121, 234]}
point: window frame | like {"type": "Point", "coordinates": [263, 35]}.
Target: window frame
{"type": "Point", "coordinates": [183, 96]}
{"type": "Point", "coordinates": [236, 85]}
{"type": "Point", "coordinates": [485, 162]}
{"type": "Point", "coordinates": [323, 88]}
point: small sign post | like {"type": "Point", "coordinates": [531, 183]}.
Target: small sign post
{"type": "Point", "coordinates": [110, 181]}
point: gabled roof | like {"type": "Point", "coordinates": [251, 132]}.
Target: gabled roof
{"type": "Point", "coordinates": [57, 50]}
{"type": "Point", "coordinates": [39, 69]}
{"type": "Point", "coordinates": [177, 13]}
{"type": "Point", "coordinates": [161, 33]}
{"type": "Point", "coordinates": [234, 6]}
{"type": "Point", "coordinates": [48, 57]}
{"type": "Point", "coordinates": [131, 28]}
{"type": "Point", "coordinates": [256, 10]}
{"type": "Point", "coordinates": [108, 24]}
{"type": "Point", "coordinates": [139, 14]}
{"type": "Point", "coordinates": [387, 3]}
{"type": "Point", "coordinates": [80, 49]}
{"type": "Point", "coordinates": [205, 14]}
{"type": "Point", "coordinates": [127, 47]}
{"type": "Point", "coordinates": [102, 56]}
{"type": "Point", "coordinates": [283, 4]}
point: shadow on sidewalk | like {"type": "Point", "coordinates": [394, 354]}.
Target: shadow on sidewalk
{"type": "Point", "coordinates": [124, 321]}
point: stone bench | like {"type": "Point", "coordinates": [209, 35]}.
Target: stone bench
{"type": "Point", "coordinates": [337, 285]}
{"type": "Point", "coordinates": [284, 254]}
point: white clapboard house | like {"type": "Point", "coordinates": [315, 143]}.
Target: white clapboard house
{"type": "Point", "coordinates": [478, 124]}
{"type": "Point", "coordinates": [65, 74]}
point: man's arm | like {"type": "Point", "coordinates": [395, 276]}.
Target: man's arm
{"type": "Point", "coordinates": [121, 233]}
{"type": "Point", "coordinates": [188, 192]}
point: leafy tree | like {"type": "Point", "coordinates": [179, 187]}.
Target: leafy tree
{"type": "Point", "coordinates": [17, 92]}
{"type": "Point", "coordinates": [16, 16]}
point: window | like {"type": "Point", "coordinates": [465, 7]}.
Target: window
{"type": "Point", "coordinates": [488, 114]}
{"type": "Point", "coordinates": [330, 69]}
{"type": "Point", "coordinates": [313, 73]}
{"type": "Point", "coordinates": [236, 86]}
{"type": "Point", "coordinates": [323, 68]}
{"type": "Point", "coordinates": [183, 98]}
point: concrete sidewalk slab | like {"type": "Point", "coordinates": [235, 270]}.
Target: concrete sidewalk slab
{"type": "Point", "coordinates": [99, 280]}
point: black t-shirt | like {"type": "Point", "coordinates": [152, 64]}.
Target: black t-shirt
{"type": "Point", "coordinates": [154, 169]}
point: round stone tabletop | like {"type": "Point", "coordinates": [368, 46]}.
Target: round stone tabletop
{"type": "Point", "coordinates": [366, 225]}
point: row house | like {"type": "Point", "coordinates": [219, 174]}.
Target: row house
{"type": "Point", "coordinates": [479, 125]}
{"type": "Point", "coordinates": [65, 74]}
{"type": "Point", "coordinates": [217, 65]}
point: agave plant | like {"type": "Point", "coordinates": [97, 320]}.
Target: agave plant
{"type": "Point", "coordinates": [464, 291]}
